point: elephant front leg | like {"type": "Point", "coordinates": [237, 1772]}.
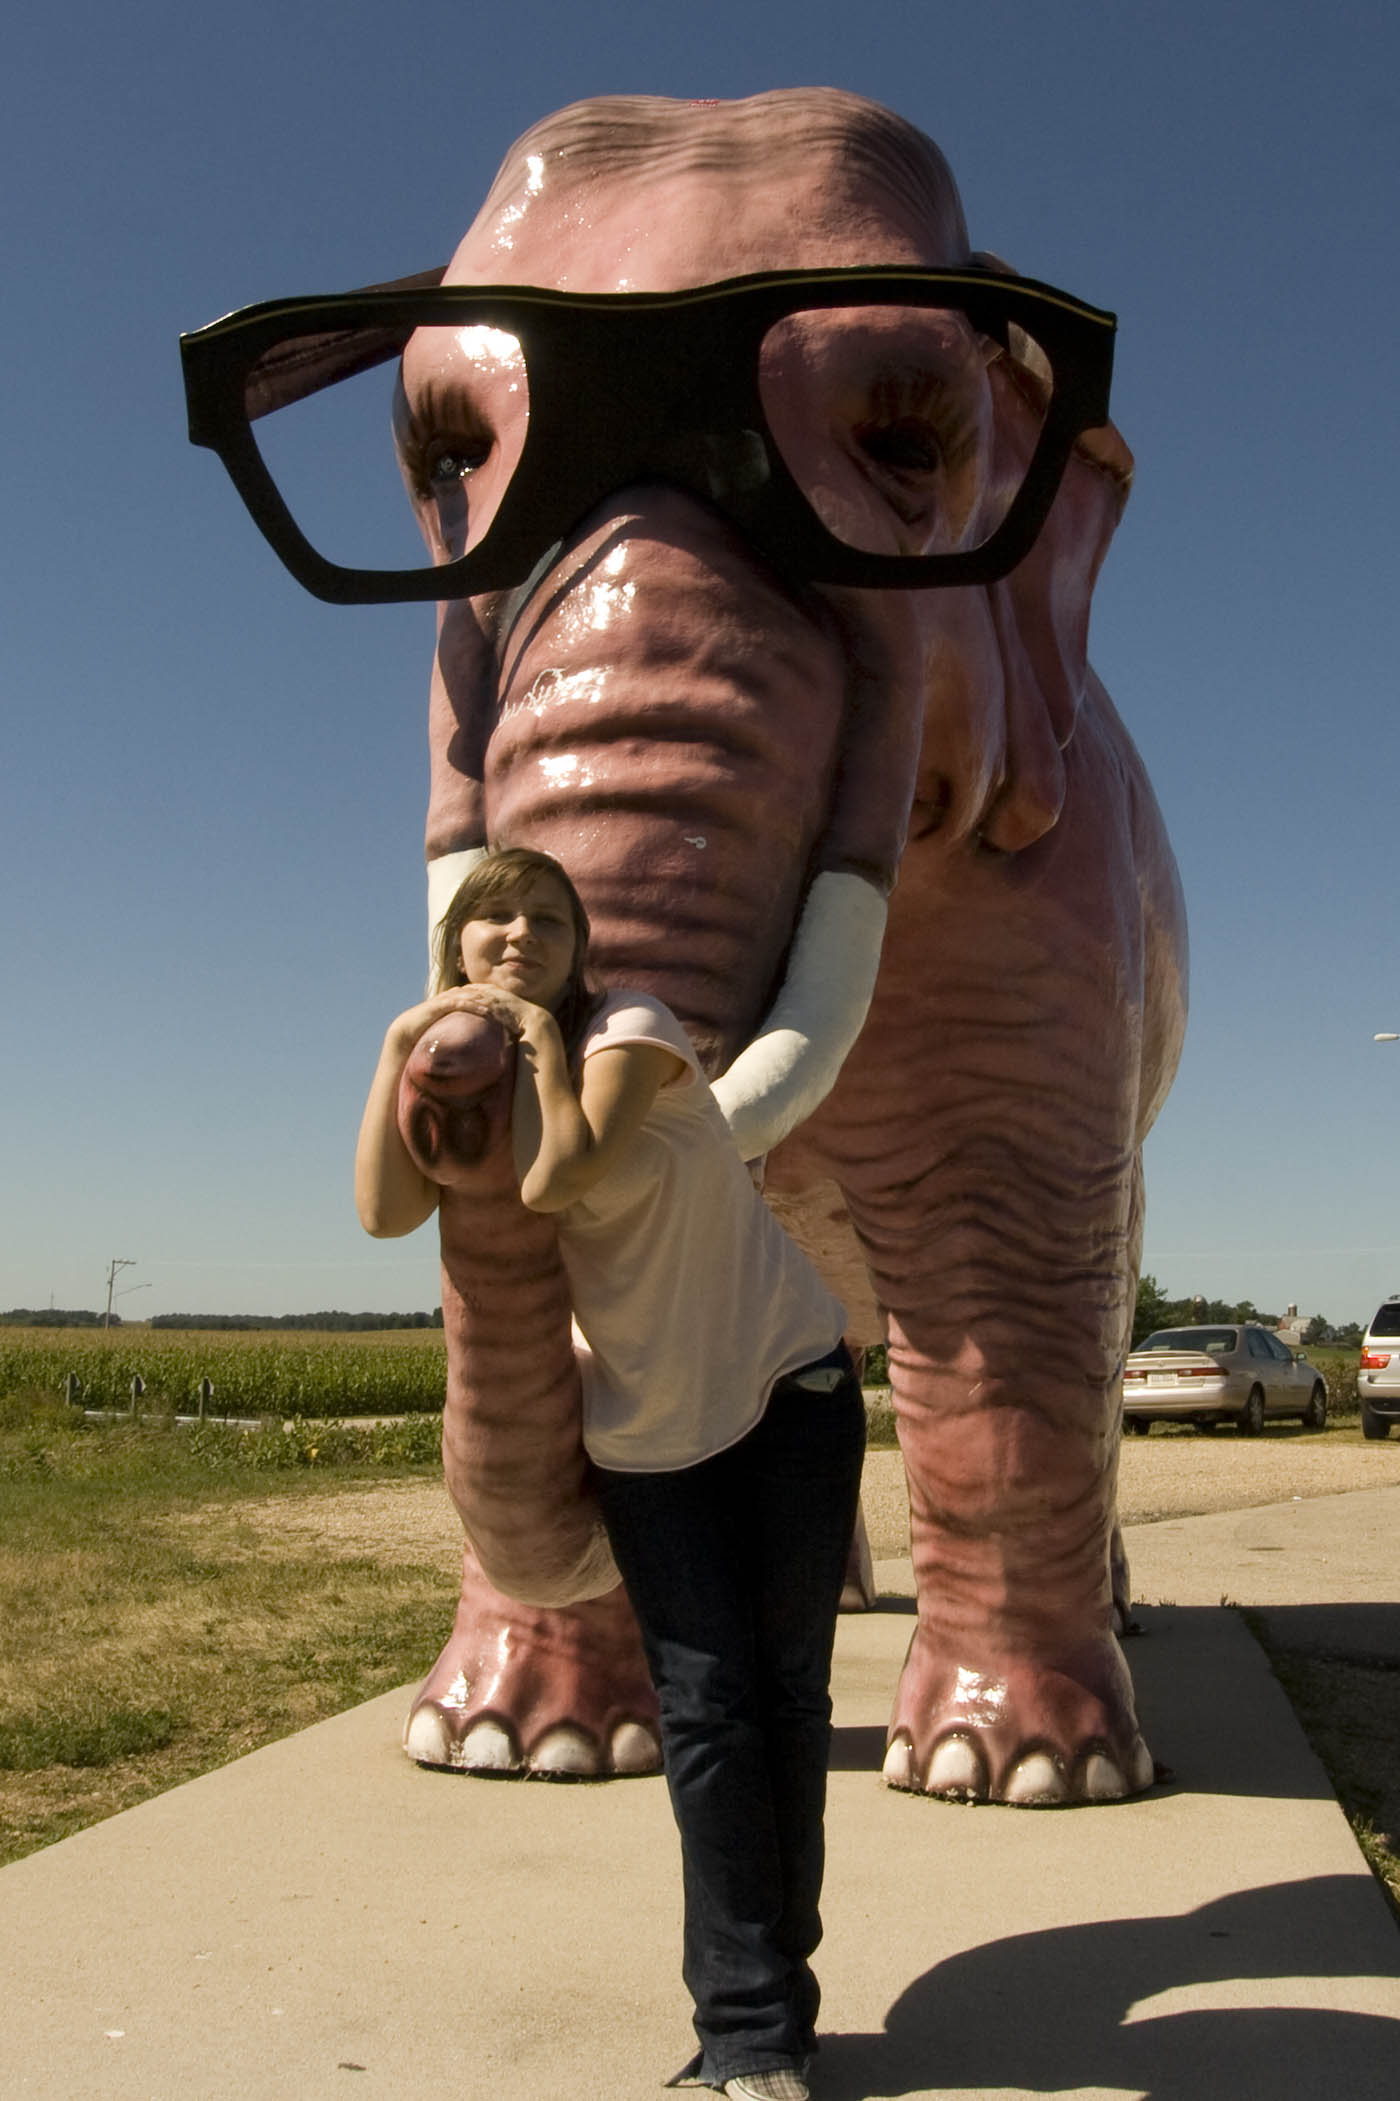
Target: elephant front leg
{"type": "Point", "coordinates": [543, 1672]}
{"type": "Point", "coordinates": [1014, 1688]}
{"type": "Point", "coordinates": [523, 1690]}
{"type": "Point", "coordinates": [986, 1132]}
{"type": "Point", "coordinates": [1007, 1307]}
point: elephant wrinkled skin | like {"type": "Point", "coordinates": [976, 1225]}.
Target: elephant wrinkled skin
{"type": "Point", "coordinates": [701, 742]}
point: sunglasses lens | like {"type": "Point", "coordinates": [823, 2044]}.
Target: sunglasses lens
{"type": "Point", "coordinates": [907, 431]}
{"type": "Point", "coordinates": [445, 424]}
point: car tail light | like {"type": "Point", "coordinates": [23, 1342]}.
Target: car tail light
{"type": "Point", "coordinates": [1200, 1372]}
{"type": "Point", "coordinates": [1374, 1360]}
{"type": "Point", "coordinates": [1133, 1375]}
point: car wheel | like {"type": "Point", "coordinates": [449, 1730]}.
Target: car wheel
{"type": "Point", "coordinates": [1137, 1425]}
{"type": "Point", "coordinates": [1373, 1426]}
{"type": "Point", "coordinates": [1251, 1417]}
{"type": "Point", "coordinates": [1315, 1414]}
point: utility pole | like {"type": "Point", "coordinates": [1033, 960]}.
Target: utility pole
{"type": "Point", "coordinates": [117, 1262]}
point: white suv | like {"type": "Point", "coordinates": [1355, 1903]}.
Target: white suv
{"type": "Point", "coordinates": [1378, 1380]}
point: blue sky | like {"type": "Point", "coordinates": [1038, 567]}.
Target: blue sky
{"type": "Point", "coordinates": [212, 807]}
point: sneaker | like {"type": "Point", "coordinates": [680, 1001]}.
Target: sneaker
{"type": "Point", "coordinates": [783, 2085]}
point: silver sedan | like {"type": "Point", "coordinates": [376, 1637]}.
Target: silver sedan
{"type": "Point", "coordinates": [1239, 1373]}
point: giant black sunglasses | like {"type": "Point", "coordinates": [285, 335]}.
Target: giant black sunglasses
{"type": "Point", "coordinates": [645, 386]}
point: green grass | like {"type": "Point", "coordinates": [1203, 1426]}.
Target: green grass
{"type": "Point", "coordinates": [44, 1438]}
{"type": "Point", "coordinates": [1285, 1429]}
{"type": "Point", "coordinates": [35, 1742]}
{"type": "Point", "coordinates": [1349, 1709]}
{"type": "Point", "coordinates": [154, 1632]}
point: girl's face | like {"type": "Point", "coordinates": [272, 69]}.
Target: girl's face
{"type": "Point", "coordinates": [523, 944]}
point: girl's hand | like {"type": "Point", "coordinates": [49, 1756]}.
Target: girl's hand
{"type": "Point", "coordinates": [406, 1028]}
{"type": "Point", "coordinates": [525, 1023]}
{"type": "Point", "coordinates": [518, 1017]}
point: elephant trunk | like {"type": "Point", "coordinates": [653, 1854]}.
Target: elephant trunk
{"type": "Point", "coordinates": [675, 727]}
{"type": "Point", "coordinates": [512, 1443]}
{"type": "Point", "coordinates": [669, 725]}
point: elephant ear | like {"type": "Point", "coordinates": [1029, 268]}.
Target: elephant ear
{"type": "Point", "coordinates": [288, 372]}
{"type": "Point", "coordinates": [1041, 611]}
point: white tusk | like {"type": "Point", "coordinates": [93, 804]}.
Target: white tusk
{"type": "Point", "coordinates": [791, 1065]}
{"type": "Point", "coordinates": [444, 876]}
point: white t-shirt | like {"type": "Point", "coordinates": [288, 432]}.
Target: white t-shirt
{"type": "Point", "coordinates": [690, 1302]}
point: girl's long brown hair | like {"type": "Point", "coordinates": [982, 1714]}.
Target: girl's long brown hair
{"type": "Point", "coordinates": [500, 878]}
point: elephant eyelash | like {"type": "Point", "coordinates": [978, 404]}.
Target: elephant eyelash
{"type": "Point", "coordinates": [436, 430]}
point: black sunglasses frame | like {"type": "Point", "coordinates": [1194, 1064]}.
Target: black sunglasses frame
{"type": "Point", "coordinates": [637, 358]}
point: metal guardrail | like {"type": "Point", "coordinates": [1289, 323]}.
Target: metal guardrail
{"type": "Point", "coordinates": [73, 1393]}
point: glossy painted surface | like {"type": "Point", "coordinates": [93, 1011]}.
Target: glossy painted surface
{"type": "Point", "coordinates": [696, 739]}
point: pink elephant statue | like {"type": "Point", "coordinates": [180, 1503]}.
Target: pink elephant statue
{"type": "Point", "coordinates": [888, 852]}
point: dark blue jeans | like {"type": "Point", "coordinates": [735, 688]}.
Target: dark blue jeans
{"type": "Point", "coordinates": [734, 1568]}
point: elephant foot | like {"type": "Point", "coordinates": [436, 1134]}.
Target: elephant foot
{"type": "Point", "coordinates": [1035, 1732]}
{"type": "Point", "coordinates": [537, 1694]}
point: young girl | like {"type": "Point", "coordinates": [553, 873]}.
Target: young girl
{"type": "Point", "coordinates": [722, 1415]}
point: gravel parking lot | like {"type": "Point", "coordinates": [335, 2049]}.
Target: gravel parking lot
{"type": "Point", "coordinates": [1160, 1477]}
{"type": "Point", "coordinates": [1185, 1476]}
{"type": "Point", "coordinates": [1181, 1476]}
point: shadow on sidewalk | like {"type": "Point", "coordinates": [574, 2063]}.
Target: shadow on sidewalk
{"type": "Point", "coordinates": [1058, 2011]}
{"type": "Point", "coordinates": [1368, 1634]}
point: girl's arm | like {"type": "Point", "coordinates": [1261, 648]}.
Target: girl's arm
{"type": "Point", "coordinates": [566, 1141]}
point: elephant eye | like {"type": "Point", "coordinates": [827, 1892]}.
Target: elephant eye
{"type": "Point", "coordinates": [438, 463]}
{"type": "Point", "coordinates": [884, 418]}
{"type": "Point", "coordinates": [908, 446]}
{"type": "Point", "coordinates": [449, 463]}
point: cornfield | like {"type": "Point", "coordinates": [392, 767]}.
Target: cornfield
{"type": "Point", "coordinates": [400, 1373]}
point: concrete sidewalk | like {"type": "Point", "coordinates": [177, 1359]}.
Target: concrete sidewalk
{"type": "Point", "coordinates": [322, 1919]}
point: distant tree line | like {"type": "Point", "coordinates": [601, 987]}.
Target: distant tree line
{"type": "Point", "coordinates": [61, 1317]}
{"type": "Point", "coordinates": [1346, 1337]}
{"type": "Point", "coordinates": [349, 1323]}
{"type": "Point", "coordinates": [54, 1317]}
{"type": "Point", "coordinates": [1155, 1310]}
